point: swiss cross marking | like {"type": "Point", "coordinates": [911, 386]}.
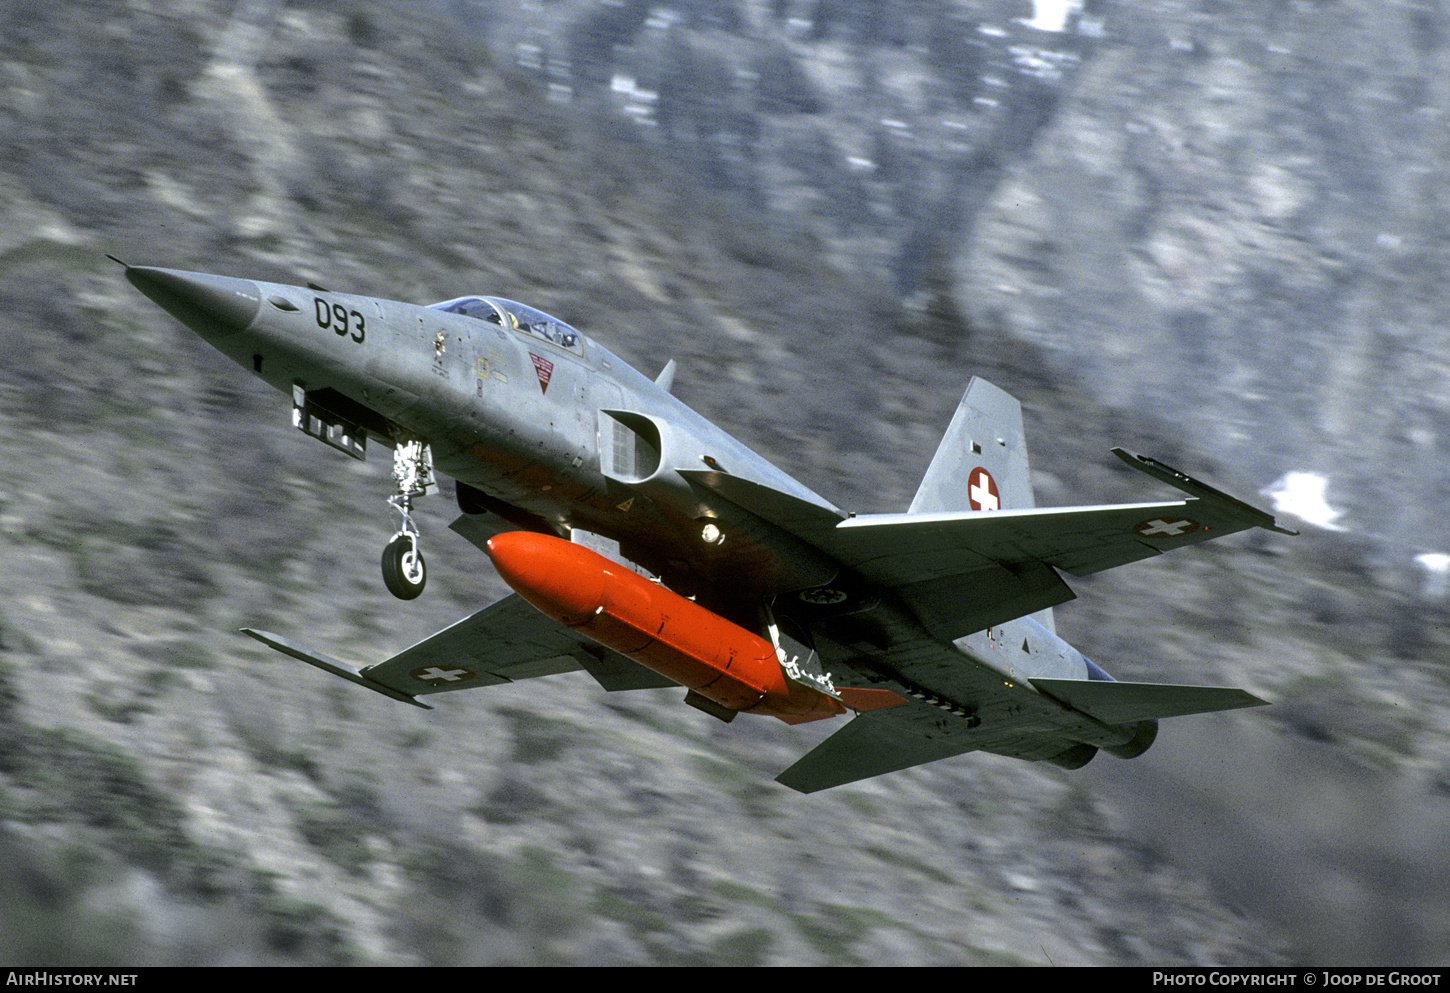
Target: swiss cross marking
{"type": "Point", "coordinates": [545, 371]}
{"type": "Point", "coordinates": [437, 674]}
{"type": "Point", "coordinates": [1165, 527]}
{"type": "Point", "coordinates": [982, 490]}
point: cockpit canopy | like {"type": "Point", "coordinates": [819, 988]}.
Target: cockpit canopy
{"type": "Point", "coordinates": [507, 313]}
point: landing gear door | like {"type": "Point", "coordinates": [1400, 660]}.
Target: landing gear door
{"type": "Point", "coordinates": [326, 425]}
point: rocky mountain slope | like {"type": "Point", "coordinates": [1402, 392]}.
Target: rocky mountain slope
{"type": "Point", "coordinates": [1204, 232]}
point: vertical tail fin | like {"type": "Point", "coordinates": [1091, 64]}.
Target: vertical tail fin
{"type": "Point", "coordinates": [981, 463]}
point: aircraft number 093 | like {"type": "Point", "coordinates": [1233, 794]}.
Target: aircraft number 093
{"type": "Point", "coordinates": [340, 319]}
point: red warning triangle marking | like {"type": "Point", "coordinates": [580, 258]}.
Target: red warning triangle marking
{"type": "Point", "coordinates": [545, 370]}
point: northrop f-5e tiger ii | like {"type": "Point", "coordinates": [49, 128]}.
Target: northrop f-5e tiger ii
{"type": "Point", "coordinates": [649, 548]}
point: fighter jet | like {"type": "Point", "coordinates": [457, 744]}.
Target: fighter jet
{"type": "Point", "coordinates": [649, 548]}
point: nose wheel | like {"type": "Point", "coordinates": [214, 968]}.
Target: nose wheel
{"type": "Point", "coordinates": [404, 571]}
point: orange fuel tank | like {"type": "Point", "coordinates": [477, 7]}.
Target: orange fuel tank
{"type": "Point", "coordinates": [661, 630]}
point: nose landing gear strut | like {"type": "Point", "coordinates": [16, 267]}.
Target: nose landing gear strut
{"type": "Point", "coordinates": [404, 571]}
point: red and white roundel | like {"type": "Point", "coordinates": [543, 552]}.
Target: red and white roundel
{"type": "Point", "coordinates": [982, 490]}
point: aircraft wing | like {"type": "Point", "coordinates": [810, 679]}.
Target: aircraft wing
{"type": "Point", "coordinates": [896, 549]}
{"type": "Point", "coordinates": [910, 548]}
{"type": "Point", "coordinates": [965, 571]}
{"type": "Point", "coordinates": [503, 643]}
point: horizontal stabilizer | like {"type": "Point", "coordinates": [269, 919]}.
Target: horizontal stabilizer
{"type": "Point", "coordinates": [1123, 703]}
{"type": "Point", "coordinates": [860, 750]}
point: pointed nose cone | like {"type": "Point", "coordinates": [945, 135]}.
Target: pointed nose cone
{"type": "Point", "coordinates": [212, 306]}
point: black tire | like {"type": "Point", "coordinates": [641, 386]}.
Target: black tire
{"type": "Point", "coordinates": [404, 571]}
